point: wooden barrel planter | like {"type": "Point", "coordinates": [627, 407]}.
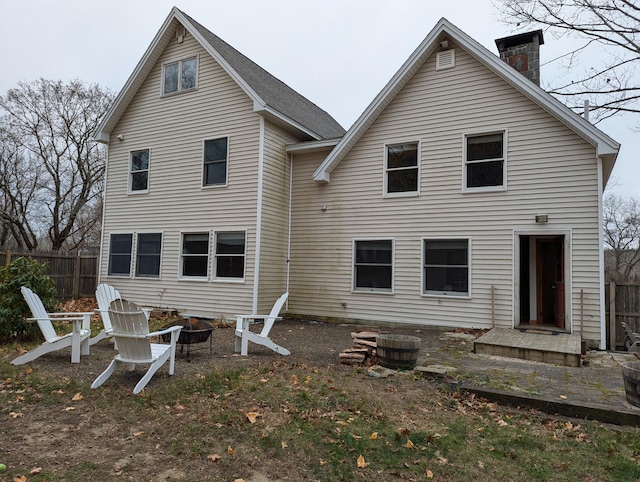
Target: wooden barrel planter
{"type": "Point", "coordinates": [631, 376]}
{"type": "Point", "coordinates": [398, 351]}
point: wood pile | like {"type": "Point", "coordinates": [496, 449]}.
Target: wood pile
{"type": "Point", "coordinates": [363, 351]}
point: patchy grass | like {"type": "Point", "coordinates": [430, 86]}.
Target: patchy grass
{"type": "Point", "coordinates": [288, 421]}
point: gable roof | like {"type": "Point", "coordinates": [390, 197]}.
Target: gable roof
{"type": "Point", "coordinates": [270, 96]}
{"type": "Point", "coordinates": [606, 148]}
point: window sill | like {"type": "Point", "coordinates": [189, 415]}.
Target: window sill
{"type": "Point", "coordinates": [214, 186]}
{"type": "Point", "coordinates": [229, 280]}
{"type": "Point", "coordinates": [471, 190]}
{"type": "Point", "coordinates": [394, 195]}
{"type": "Point", "coordinates": [198, 279]}
{"type": "Point", "coordinates": [178, 92]}
{"type": "Point", "coordinates": [446, 295]}
{"type": "Point", "coordinates": [135, 193]}
{"type": "Point", "coordinates": [371, 291]}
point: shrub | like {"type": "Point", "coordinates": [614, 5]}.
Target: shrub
{"type": "Point", "coordinates": [13, 307]}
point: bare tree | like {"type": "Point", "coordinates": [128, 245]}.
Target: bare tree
{"type": "Point", "coordinates": [51, 167]}
{"type": "Point", "coordinates": [611, 86]}
{"type": "Point", "coordinates": [621, 218]}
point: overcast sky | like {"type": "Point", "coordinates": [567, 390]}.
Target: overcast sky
{"type": "Point", "coordinates": [337, 53]}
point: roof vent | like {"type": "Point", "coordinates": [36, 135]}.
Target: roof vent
{"type": "Point", "coordinates": [446, 59]}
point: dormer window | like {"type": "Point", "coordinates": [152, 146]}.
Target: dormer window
{"type": "Point", "coordinates": [180, 76]}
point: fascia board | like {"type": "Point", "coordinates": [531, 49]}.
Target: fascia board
{"type": "Point", "coordinates": [312, 146]}
{"type": "Point", "coordinates": [270, 112]}
{"type": "Point", "coordinates": [136, 78]}
{"type": "Point", "coordinates": [605, 145]}
{"type": "Point", "coordinates": [221, 60]}
{"type": "Point", "coordinates": [386, 95]}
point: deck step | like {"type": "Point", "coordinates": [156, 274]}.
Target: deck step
{"type": "Point", "coordinates": [535, 345]}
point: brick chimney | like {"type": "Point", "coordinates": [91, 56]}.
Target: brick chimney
{"type": "Point", "coordinates": [522, 52]}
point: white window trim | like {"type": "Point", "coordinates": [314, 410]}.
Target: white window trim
{"type": "Point", "coordinates": [183, 277]}
{"type": "Point", "coordinates": [214, 255]}
{"type": "Point", "coordinates": [179, 62]}
{"type": "Point", "coordinates": [131, 262]}
{"type": "Point", "coordinates": [354, 289]}
{"type": "Point", "coordinates": [445, 294]}
{"type": "Point", "coordinates": [385, 169]}
{"type": "Point", "coordinates": [130, 173]}
{"type": "Point", "coordinates": [135, 255]}
{"type": "Point", "coordinates": [503, 187]}
{"type": "Point", "coordinates": [226, 181]}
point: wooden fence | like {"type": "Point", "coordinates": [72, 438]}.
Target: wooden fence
{"type": "Point", "coordinates": [75, 275]}
{"type": "Point", "coordinates": [623, 305]}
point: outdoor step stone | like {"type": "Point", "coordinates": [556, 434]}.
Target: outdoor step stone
{"type": "Point", "coordinates": [435, 371]}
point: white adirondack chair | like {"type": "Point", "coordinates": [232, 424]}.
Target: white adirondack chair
{"type": "Point", "coordinates": [131, 333]}
{"type": "Point", "coordinates": [105, 294]}
{"type": "Point", "coordinates": [78, 339]}
{"type": "Point", "coordinates": [244, 335]}
{"type": "Point", "coordinates": [631, 339]}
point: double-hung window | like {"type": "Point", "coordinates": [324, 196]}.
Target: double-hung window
{"type": "Point", "coordinates": [402, 168]}
{"type": "Point", "coordinates": [373, 265]}
{"type": "Point", "coordinates": [139, 171]}
{"type": "Point", "coordinates": [485, 162]}
{"type": "Point", "coordinates": [180, 76]}
{"type": "Point", "coordinates": [446, 267]}
{"type": "Point", "coordinates": [120, 246]}
{"type": "Point", "coordinates": [148, 249]}
{"type": "Point", "coordinates": [230, 255]}
{"type": "Point", "coordinates": [215, 162]}
{"type": "Point", "coordinates": [195, 255]}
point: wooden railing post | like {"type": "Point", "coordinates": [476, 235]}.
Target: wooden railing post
{"type": "Point", "coordinates": [76, 277]}
{"type": "Point", "coordinates": [7, 258]}
{"type": "Point", "coordinates": [612, 315]}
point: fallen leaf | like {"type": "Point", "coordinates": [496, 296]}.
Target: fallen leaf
{"type": "Point", "coordinates": [373, 436]}
{"type": "Point", "coordinates": [502, 423]}
{"type": "Point", "coordinates": [480, 464]}
{"type": "Point", "coordinates": [294, 379]}
{"type": "Point", "coordinates": [22, 478]}
{"type": "Point", "coordinates": [409, 444]}
{"type": "Point", "coordinates": [429, 474]}
{"type": "Point", "coordinates": [76, 397]}
{"type": "Point", "coordinates": [214, 457]}
{"type": "Point", "coordinates": [283, 445]}
{"type": "Point", "coordinates": [563, 397]}
{"type": "Point", "coordinates": [16, 414]}
{"type": "Point", "coordinates": [177, 406]}
{"type": "Point", "coordinates": [137, 434]}
{"type": "Point", "coordinates": [35, 471]}
{"type": "Point", "coordinates": [230, 450]}
{"type": "Point", "coordinates": [357, 437]}
{"type": "Point", "coordinates": [252, 416]}
{"type": "Point", "coordinates": [69, 409]}
{"type": "Point", "coordinates": [361, 463]}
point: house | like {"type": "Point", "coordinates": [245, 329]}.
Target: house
{"type": "Point", "coordinates": [463, 196]}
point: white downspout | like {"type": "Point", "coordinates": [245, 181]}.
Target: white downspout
{"type": "Point", "coordinates": [289, 221]}
{"type": "Point", "coordinates": [256, 270]}
{"type": "Point", "coordinates": [603, 318]}
{"type": "Point", "coordinates": [104, 204]}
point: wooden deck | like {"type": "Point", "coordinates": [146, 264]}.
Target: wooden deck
{"type": "Point", "coordinates": [535, 345]}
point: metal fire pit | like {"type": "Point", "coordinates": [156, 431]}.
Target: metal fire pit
{"type": "Point", "coordinates": [193, 331]}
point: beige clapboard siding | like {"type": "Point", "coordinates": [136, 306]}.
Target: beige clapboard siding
{"type": "Point", "coordinates": [275, 216]}
{"type": "Point", "coordinates": [550, 169]}
{"type": "Point", "coordinates": [174, 128]}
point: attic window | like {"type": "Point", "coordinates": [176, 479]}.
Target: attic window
{"type": "Point", "coordinates": [446, 59]}
{"type": "Point", "coordinates": [180, 76]}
